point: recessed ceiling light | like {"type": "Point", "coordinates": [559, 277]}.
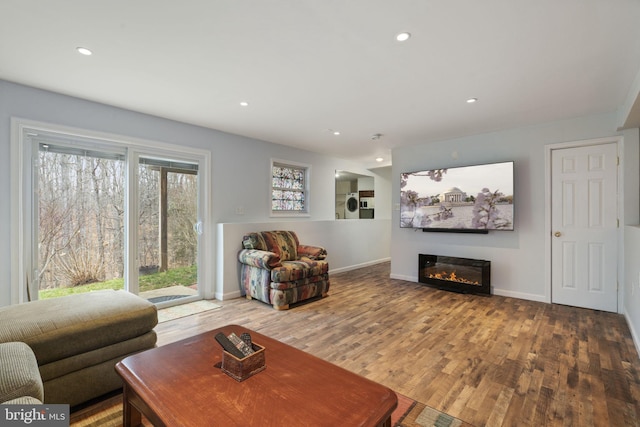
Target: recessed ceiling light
{"type": "Point", "coordinates": [472, 100]}
{"type": "Point", "coordinates": [244, 103]}
{"type": "Point", "coordinates": [84, 51]}
{"type": "Point", "coordinates": [402, 37]}
{"type": "Point", "coordinates": [336, 133]}
{"type": "Point", "coordinates": [379, 159]}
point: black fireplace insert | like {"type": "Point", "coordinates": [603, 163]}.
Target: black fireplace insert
{"type": "Point", "coordinates": [463, 275]}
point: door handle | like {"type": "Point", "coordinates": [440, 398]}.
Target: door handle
{"type": "Point", "coordinates": [197, 227]}
{"type": "Point", "coordinates": [557, 234]}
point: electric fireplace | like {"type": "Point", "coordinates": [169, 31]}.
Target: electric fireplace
{"type": "Point", "coordinates": [462, 275]}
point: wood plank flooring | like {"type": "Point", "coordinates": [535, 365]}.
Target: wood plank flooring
{"type": "Point", "coordinates": [490, 361]}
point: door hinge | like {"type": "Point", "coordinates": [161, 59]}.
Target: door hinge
{"type": "Point", "coordinates": [618, 160]}
{"type": "Point", "coordinates": [618, 224]}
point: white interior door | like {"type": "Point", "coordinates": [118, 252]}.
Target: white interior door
{"type": "Point", "coordinates": [584, 226]}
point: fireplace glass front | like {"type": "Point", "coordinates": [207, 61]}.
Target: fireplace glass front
{"type": "Point", "coordinates": [455, 274]}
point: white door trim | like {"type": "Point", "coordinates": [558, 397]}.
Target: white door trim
{"type": "Point", "coordinates": [547, 209]}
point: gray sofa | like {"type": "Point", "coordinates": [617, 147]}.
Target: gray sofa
{"type": "Point", "coordinates": [77, 340]}
{"type": "Point", "coordinates": [20, 382]}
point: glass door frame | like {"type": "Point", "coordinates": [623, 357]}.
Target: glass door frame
{"type": "Point", "coordinates": [131, 276]}
{"type": "Point", "coordinates": [23, 205]}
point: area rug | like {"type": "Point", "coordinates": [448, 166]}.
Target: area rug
{"type": "Point", "coordinates": [177, 311]}
{"type": "Point", "coordinates": [409, 413]}
{"type": "Point", "coordinates": [106, 413]}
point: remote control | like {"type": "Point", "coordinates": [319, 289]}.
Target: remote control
{"type": "Point", "coordinates": [240, 345]}
{"type": "Point", "coordinates": [246, 337]}
{"type": "Point", "coordinates": [228, 345]}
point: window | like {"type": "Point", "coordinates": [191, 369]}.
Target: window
{"type": "Point", "coordinates": [98, 211]}
{"type": "Point", "coordinates": [78, 221]}
{"type": "Point", "coordinates": [289, 188]}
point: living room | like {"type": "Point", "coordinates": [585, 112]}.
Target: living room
{"type": "Point", "coordinates": [240, 167]}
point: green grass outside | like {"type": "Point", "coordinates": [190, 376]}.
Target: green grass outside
{"type": "Point", "coordinates": [184, 276]}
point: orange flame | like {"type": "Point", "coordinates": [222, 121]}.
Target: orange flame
{"type": "Point", "coordinates": [452, 277]}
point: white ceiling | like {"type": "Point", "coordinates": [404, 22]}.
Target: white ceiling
{"type": "Point", "coordinates": [310, 66]}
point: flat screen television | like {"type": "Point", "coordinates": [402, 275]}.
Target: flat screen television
{"type": "Point", "coordinates": [463, 199]}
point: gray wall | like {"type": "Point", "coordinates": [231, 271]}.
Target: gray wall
{"type": "Point", "coordinates": [518, 257]}
{"type": "Point", "coordinates": [240, 165]}
{"type": "Point", "coordinates": [631, 284]}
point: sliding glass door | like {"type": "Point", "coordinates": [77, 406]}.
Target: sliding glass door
{"type": "Point", "coordinates": [79, 218]}
{"type": "Point", "coordinates": [168, 229]}
{"type": "Point", "coordinates": [104, 215]}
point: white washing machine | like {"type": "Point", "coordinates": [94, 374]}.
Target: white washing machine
{"type": "Point", "coordinates": [352, 206]}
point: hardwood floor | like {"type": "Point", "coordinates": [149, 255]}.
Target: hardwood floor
{"type": "Point", "coordinates": [490, 361]}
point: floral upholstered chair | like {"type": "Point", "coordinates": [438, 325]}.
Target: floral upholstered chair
{"type": "Point", "coordinates": [277, 269]}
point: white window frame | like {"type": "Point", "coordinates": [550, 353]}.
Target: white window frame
{"type": "Point", "coordinates": [307, 180]}
{"type": "Point", "coordinates": [22, 202]}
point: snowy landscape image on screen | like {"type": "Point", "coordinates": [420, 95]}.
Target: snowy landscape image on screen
{"type": "Point", "coordinates": [471, 197]}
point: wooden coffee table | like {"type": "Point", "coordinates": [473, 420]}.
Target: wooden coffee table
{"type": "Point", "coordinates": [180, 384]}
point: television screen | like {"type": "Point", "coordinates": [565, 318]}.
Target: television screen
{"type": "Point", "coordinates": [465, 198]}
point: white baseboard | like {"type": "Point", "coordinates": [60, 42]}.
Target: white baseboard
{"type": "Point", "coordinates": [229, 295]}
{"type": "Point", "coordinates": [406, 278]}
{"type": "Point", "coordinates": [356, 266]}
{"type": "Point", "coordinates": [520, 295]}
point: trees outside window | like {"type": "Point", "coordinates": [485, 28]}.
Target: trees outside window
{"type": "Point", "coordinates": [80, 217]}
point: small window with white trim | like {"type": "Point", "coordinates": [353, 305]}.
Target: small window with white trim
{"type": "Point", "coordinates": [289, 188]}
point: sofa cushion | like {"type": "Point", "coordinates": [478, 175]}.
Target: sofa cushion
{"type": "Point", "coordinates": [282, 243]}
{"type": "Point", "coordinates": [300, 269]}
{"type": "Point", "coordinates": [19, 375]}
{"type": "Point", "coordinates": [63, 327]}
{"type": "Point", "coordinates": [62, 367]}
{"type": "Point", "coordinates": [299, 283]}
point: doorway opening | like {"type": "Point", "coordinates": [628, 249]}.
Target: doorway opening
{"type": "Point", "coordinates": [168, 229]}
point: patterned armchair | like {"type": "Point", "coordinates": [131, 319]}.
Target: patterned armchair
{"type": "Point", "coordinates": [277, 269]}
